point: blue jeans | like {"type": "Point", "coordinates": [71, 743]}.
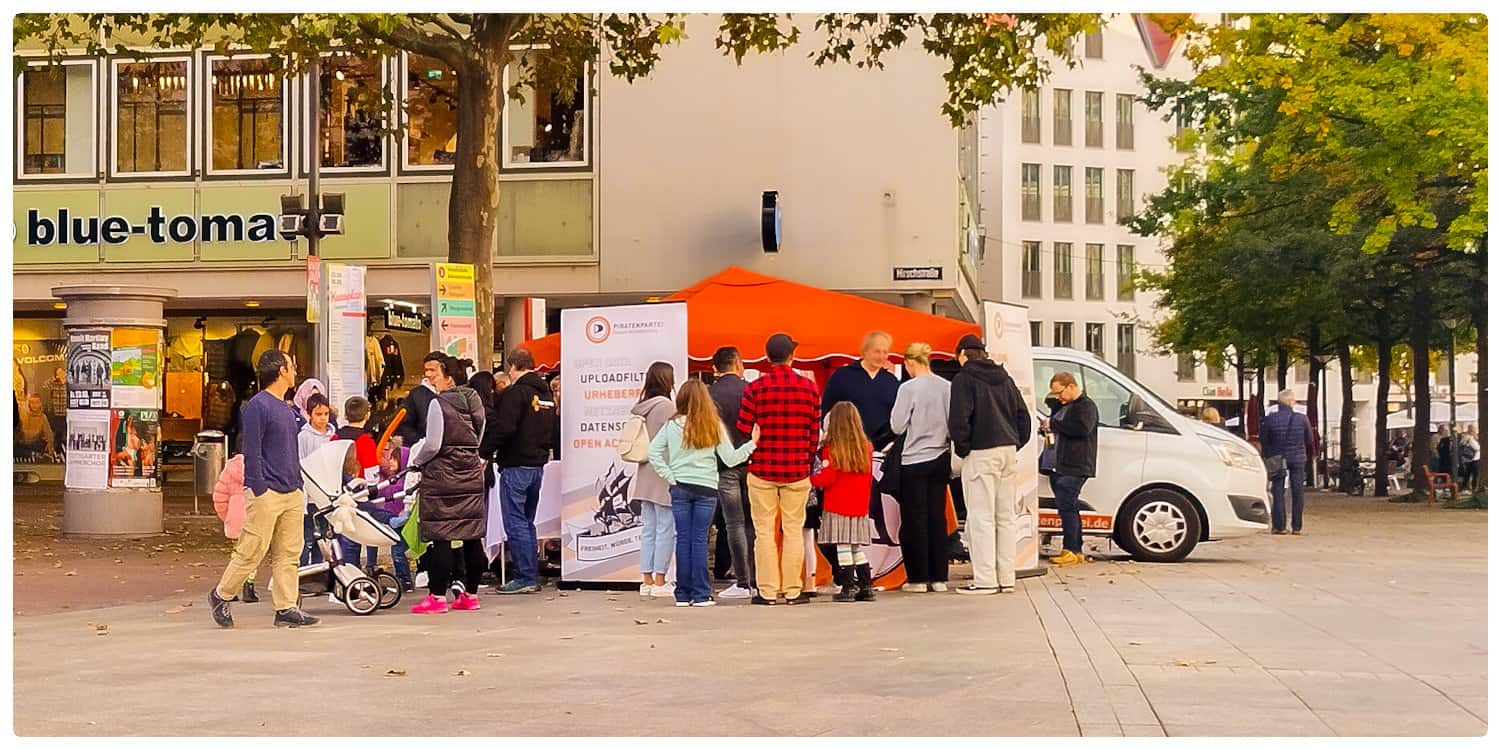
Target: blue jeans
{"type": "Point", "coordinates": [693, 512]}
{"type": "Point", "coordinates": [658, 534]}
{"type": "Point", "coordinates": [520, 490]}
{"type": "Point", "coordinates": [1065, 490]}
{"type": "Point", "coordinates": [310, 551]}
{"type": "Point", "coordinates": [1296, 475]}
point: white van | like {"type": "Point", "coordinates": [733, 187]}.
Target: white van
{"type": "Point", "coordinates": [1165, 482]}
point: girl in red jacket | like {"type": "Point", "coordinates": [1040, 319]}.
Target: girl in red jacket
{"type": "Point", "coordinates": [845, 480]}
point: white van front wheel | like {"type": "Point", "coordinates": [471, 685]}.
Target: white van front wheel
{"type": "Point", "coordinates": [1160, 525]}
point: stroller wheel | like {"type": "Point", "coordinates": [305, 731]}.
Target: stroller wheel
{"type": "Point", "coordinates": [362, 596]}
{"type": "Point", "coordinates": [390, 589]}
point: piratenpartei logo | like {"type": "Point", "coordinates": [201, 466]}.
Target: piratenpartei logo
{"type": "Point", "coordinates": [597, 329]}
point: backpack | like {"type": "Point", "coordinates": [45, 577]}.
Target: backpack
{"type": "Point", "coordinates": [635, 440]}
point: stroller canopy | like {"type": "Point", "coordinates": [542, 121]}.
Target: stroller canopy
{"type": "Point", "coordinates": [323, 472]}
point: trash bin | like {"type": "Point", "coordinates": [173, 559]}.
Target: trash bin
{"type": "Point", "coordinates": [209, 450]}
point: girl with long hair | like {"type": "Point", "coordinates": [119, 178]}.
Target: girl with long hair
{"type": "Point", "coordinates": [686, 454]}
{"type": "Point", "coordinates": [649, 490]}
{"type": "Point", "coordinates": [845, 478]}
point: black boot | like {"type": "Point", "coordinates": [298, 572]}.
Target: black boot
{"type": "Point", "coordinates": [847, 587]}
{"type": "Point", "coordinates": [247, 593]}
{"type": "Point", "coordinates": [866, 591]}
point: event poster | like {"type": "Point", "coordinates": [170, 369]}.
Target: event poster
{"type": "Point", "coordinates": [135, 373]}
{"type": "Point", "coordinates": [345, 328]}
{"type": "Point", "coordinates": [605, 354]}
{"type": "Point", "coordinates": [87, 450]}
{"type": "Point", "coordinates": [35, 370]}
{"type": "Point", "coordinates": [88, 368]}
{"type": "Point", "coordinates": [133, 440]}
{"type": "Point", "coordinates": [455, 328]}
{"type": "Point", "coordinates": [1007, 335]}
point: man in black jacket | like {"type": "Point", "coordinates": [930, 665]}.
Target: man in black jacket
{"type": "Point", "coordinates": [1075, 423]}
{"type": "Point", "coordinates": [523, 430]}
{"type": "Point", "coordinates": [989, 422]}
{"type": "Point", "coordinates": [734, 498]}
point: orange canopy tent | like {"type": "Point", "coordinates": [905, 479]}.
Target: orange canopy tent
{"type": "Point", "coordinates": [742, 309]}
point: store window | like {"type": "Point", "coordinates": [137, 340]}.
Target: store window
{"type": "Point", "coordinates": [548, 125]}
{"type": "Point", "coordinates": [353, 110]}
{"type": "Point", "coordinates": [151, 122]}
{"type": "Point", "coordinates": [246, 99]}
{"type": "Point", "coordinates": [431, 112]}
{"type": "Point", "coordinates": [57, 119]}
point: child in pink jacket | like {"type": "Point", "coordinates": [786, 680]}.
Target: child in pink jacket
{"type": "Point", "coordinates": [229, 503]}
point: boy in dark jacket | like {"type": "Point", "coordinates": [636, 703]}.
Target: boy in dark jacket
{"type": "Point", "coordinates": [523, 434]}
{"type": "Point", "coordinates": [989, 422]}
{"type": "Point", "coordinates": [1075, 422]}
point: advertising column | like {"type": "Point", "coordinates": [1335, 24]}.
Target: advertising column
{"type": "Point", "coordinates": [1008, 338]}
{"type": "Point", "coordinates": [605, 354]}
{"type": "Point", "coordinates": [455, 331]}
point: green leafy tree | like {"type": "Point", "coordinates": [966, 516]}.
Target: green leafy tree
{"type": "Point", "coordinates": [988, 55]}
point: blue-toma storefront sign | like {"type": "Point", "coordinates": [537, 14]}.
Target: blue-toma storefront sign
{"type": "Point", "coordinates": [158, 228]}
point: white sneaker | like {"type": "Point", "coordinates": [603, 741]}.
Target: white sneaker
{"type": "Point", "coordinates": [420, 581]}
{"type": "Point", "coordinates": [682, 604]}
{"type": "Point", "coordinates": [704, 604]}
{"type": "Point", "coordinates": [664, 591]}
{"type": "Point", "coordinates": [914, 588]}
{"type": "Point", "coordinates": [938, 587]}
{"type": "Point", "coordinates": [333, 599]}
{"type": "Point", "coordinates": [646, 589]}
{"type": "Point", "coordinates": [734, 591]}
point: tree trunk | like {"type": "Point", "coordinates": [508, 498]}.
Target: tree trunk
{"type": "Point", "coordinates": [1314, 377]}
{"type": "Point", "coordinates": [1382, 405]}
{"type": "Point", "coordinates": [1348, 454]}
{"type": "Point", "coordinates": [1481, 352]}
{"type": "Point", "coordinates": [474, 202]}
{"type": "Point", "coordinates": [1239, 373]}
{"type": "Point", "coordinates": [1421, 442]}
{"type": "Point", "coordinates": [1282, 365]}
{"type": "Point", "coordinates": [1257, 410]}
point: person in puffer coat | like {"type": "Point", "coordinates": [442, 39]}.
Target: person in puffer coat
{"type": "Point", "coordinates": [229, 503]}
{"type": "Point", "coordinates": [453, 497]}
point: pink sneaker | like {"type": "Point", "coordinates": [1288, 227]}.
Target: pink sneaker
{"type": "Point", "coordinates": [466, 602]}
{"type": "Point", "coordinates": [431, 605]}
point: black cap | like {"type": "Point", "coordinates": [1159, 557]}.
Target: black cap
{"type": "Point", "coordinates": [779, 347]}
{"type": "Point", "coordinates": [970, 341]}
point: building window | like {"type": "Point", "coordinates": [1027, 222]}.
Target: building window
{"type": "Point", "coordinates": [1036, 332]}
{"type": "Point", "coordinates": [1187, 367]}
{"type": "Point", "coordinates": [353, 111]}
{"type": "Point", "coordinates": [1183, 125]}
{"type": "Point", "coordinates": [1124, 194]}
{"type": "Point", "coordinates": [1093, 119]}
{"type": "Point", "coordinates": [151, 123]}
{"type": "Point", "coordinates": [1093, 45]}
{"type": "Point", "coordinates": [1093, 194]}
{"type": "Point", "coordinates": [1062, 193]}
{"type": "Point", "coordinates": [1093, 338]}
{"type": "Point", "coordinates": [1031, 192]}
{"type": "Point", "coordinates": [1062, 117]}
{"type": "Point", "coordinates": [57, 119]}
{"type": "Point", "coordinates": [245, 130]}
{"type": "Point", "coordinates": [548, 126]}
{"type": "Point", "coordinates": [1215, 365]}
{"type": "Point", "coordinates": [1124, 121]}
{"type": "Point", "coordinates": [1093, 270]}
{"type": "Point", "coordinates": [1125, 272]}
{"type": "Point", "coordinates": [1062, 270]}
{"type": "Point", "coordinates": [1125, 348]}
{"type": "Point", "coordinates": [1062, 334]}
{"type": "Point", "coordinates": [431, 111]}
{"type": "Point", "coordinates": [1031, 116]}
{"type": "Point", "coordinates": [1031, 270]}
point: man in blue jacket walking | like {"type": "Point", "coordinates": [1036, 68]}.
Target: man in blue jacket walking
{"type": "Point", "coordinates": [1288, 434]}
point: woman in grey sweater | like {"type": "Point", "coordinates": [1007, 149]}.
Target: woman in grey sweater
{"type": "Point", "coordinates": [658, 531]}
{"type": "Point", "coordinates": [921, 413]}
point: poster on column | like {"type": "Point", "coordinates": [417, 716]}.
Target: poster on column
{"type": "Point", "coordinates": [87, 449]}
{"type": "Point", "coordinates": [88, 369]}
{"type": "Point", "coordinates": [455, 329]}
{"type": "Point", "coordinates": [1007, 335]}
{"type": "Point", "coordinates": [605, 354]}
{"type": "Point", "coordinates": [133, 441]}
{"type": "Point", "coordinates": [346, 333]}
{"type": "Point", "coordinates": [135, 367]}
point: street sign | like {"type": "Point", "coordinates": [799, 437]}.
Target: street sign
{"type": "Point", "coordinates": [455, 328]}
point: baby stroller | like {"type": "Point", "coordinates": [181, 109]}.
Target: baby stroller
{"type": "Point", "coordinates": [334, 513]}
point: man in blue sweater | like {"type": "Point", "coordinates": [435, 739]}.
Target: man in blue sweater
{"type": "Point", "coordinates": [274, 502]}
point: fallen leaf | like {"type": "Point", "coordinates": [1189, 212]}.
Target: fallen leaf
{"type": "Point", "coordinates": [565, 637]}
{"type": "Point", "coordinates": [395, 672]}
{"type": "Point", "coordinates": [461, 672]}
{"type": "Point", "coordinates": [494, 655]}
{"type": "Point", "coordinates": [641, 621]}
{"type": "Point", "coordinates": [890, 650]}
{"type": "Point", "coordinates": [575, 612]}
{"type": "Point", "coordinates": [70, 573]}
{"type": "Point", "coordinates": [1133, 642]}
{"type": "Point", "coordinates": [56, 565]}
{"type": "Point", "coordinates": [1185, 663]}
{"type": "Point", "coordinates": [562, 595]}
{"type": "Point", "coordinates": [101, 629]}
{"type": "Point", "coordinates": [175, 610]}
{"type": "Point", "coordinates": [663, 621]}
{"type": "Point", "coordinates": [620, 611]}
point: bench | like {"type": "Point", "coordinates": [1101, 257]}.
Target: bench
{"type": "Point", "coordinates": [1438, 482]}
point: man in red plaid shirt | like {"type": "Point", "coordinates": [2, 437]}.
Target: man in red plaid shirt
{"type": "Point", "coordinates": [785, 406]}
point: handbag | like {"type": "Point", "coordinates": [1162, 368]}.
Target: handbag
{"type": "Point", "coordinates": [1275, 467]}
{"type": "Point", "coordinates": [1047, 459]}
{"type": "Point", "coordinates": [890, 469]}
{"type": "Point", "coordinates": [635, 440]}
